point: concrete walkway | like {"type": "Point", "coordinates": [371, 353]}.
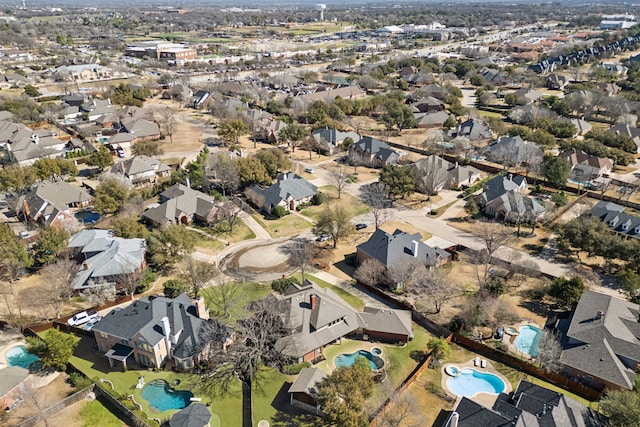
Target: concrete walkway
{"type": "Point", "coordinates": [257, 229]}
{"type": "Point", "coordinates": [367, 298]}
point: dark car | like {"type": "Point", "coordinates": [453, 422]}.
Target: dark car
{"type": "Point", "coordinates": [361, 226]}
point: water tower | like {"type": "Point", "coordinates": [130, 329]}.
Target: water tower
{"type": "Point", "coordinates": [320, 8]}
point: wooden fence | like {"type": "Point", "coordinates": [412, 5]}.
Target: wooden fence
{"type": "Point", "coordinates": [131, 418]}
{"type": "Point", "coordinates": [57, 407]}
{"type": "Point", "coordinates": [528, 368]}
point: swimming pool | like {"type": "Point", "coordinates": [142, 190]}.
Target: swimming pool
{"type": "Point", "coordinates": [87, 217]}
{"type": "Point", "coordinates": [471, 382]}
{"type": "Point", "coordinates": [162, 397]}
{"type": "Point", "coordinates": [527, 340]}
{"type": "Point", "coordinates": [345, 360]}
{"type": "Point", "coordinates": [19, 356]}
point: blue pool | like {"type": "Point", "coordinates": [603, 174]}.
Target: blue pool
{"type": "Point", "coordinates": [18, 356]}
{"type": "Point", "coordinates": [345, 360]}
{"type": "Point", "coordinates": [162, 397]}
{"type": "Point", "coordinates": [87, 217]}
{"type": "Point", "coordinates": [471, 382]}
{"type": "Point", "coordinates": [527, 340]}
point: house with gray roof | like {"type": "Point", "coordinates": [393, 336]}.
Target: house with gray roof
{"type": "Point", "coordinates": [105, 260]}
{"type": "Point", "coordinates": [631, 132]}
{"type": "Point", "coordinates": [620, 222]}
{"type": "Point", "coordinates": [330, 139]}
{"type": "Point", "coordinates": [134, 129]}
{"type": "Point", "coordinates": [527, 96]}
{"type": "Point", "coordinates": [453, 175]}
{"type": "Point", "coordinates": [601, 342]}
{"type": "Point", "coordinates": [303, 391]}
{"type": "Point", "coordinates": [513, 151]}
{"type": "Point", "coordinates": [12, 384]}
{"type": "Point", "coordinates": [316, 317]}
{"type": "Point", "coordinates": [473, 129]}
{"type": "Point", "coordinates": [180, 204]}
{"type": "Point", "coordinates": [503, 198]}
{"type": "Point", "coordinates": [432, 119]}
{"type": "Point", "coordinates": [530, 405]}
{"type": "Point", "coordinates": [289, 192]}
{"type": "Point", "coordinates": [157, 331]}
{"type": "Point", "coordinates": [585, 167]}
{"type": "Point", "coordinates": [51, 203]}
{"type": "Point", "coordinates": [499, 185]}
{"type": "Point", "coordinates": [24, 146]}
{"type": "Point", "coordinates": [141, 170]}
{"type": "Point", "coordinates": [375, 152]}
{"type": "Point", "coordinates": [400, 246]}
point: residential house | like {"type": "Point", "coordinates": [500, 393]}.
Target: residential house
{"type": "Point", "coordinates": [503, 199]}
{"type": "Point", "coordinates": [513, 151]}
{"type": "Point", "coordinates": [600, 342]}
{"type": "Point", "coordinates": [105, 260]}
{"type": "Point", "coordinates": [527, 96]}
{"type": "Point", "coordinates": [50, 203]}
{"type": "Point", "coordinates": [289, 192]}
{"type": "Point", "coordinates": [628, 131]}
{"type": "Point", "coordinates": [529, 405]}
{"type": "Point", "coordinates": [329, 95]}
{"type": "Point", "coordinates": [456, 175]}
{"type": "Point", "coordinates": [556, 81]}
{"type": "Point", "coordinates": [134, 129]}
{"type": "Point", "coordinates": [81, 72]}
{"type": "Point", "coordinates": [473, 129]}
{"type": "Point", "coordinates": [585, 167]}
{"type": "Point", "coordinates": [330, 139]}
{"type": "Point", "coordinates": [12, 385]}
{"type": "Point", "coordinates": [400, 247]}
{"type": "Point", "coordinates": [180, 204]}
{"type": "Point", "coordinates": [200, 98]}
{"type": "Point", "coordinates": [10, 80]}
{"type": "Point", "coordinates": [315, 317]}
{"type": "Point", "coordinates": [434, 119]}
{"type": "Point", "coordinates": [616, 69]}
{"type": "Point", "coordinates": [612, 214]}
{"type": "Point", "coordinates": [375, 152]}
{"type": "Point", "coordinates": [24, 146]}
{"type": "Point", "coordinates": [158, 331]}
{"type": "Point", "coordinates": [427, 104]}
{"type": "Point", "coordinates": [434, 90]}
{"type": "Point", "coordinates": [582, 126]}
{"type": "Point", "coordinates": [141, 170]}
{"type": "Point", "coordinates": [610, 89]}
{"type": "Point", "coordinates": [303, 392]}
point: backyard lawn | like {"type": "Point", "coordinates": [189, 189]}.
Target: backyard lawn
{"type": "Point", "coordinates": [95, 413]}
{"type": "Point", "coordinates": [250, 292]}
{"type": "Point", "coordinates": [353, 205]}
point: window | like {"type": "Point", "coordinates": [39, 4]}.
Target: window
{"type": "Point", "coordinates": [104, 335]}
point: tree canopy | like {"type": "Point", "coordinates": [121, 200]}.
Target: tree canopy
{"type": "Point", "coordinates": [55, 348]}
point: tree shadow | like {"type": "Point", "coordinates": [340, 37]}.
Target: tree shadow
{"type": "Point", "coordinates": [289, 415]}
{"type": "Point", "coordinates": [418, 355]}
{"type": "Point", "coordinates": [344, 267]}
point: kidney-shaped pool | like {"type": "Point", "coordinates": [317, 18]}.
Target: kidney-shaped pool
{"type": "Point", "coordinates": [471, 382]}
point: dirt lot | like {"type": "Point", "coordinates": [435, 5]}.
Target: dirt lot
{"type": "Point", "coordinates": [45, 396]}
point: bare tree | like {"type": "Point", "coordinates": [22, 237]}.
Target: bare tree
{"type": "Point", "coordinates": [433, 287]}
{"type": "Point", "coordinates": [371, 272]}
{"type": "Point", "coordinates": [376, 195]}
{"type": "Point", "coordinates": [403, 273]}
{"type": "Point", "coordinates": [130, 281]}
{"type": "Point", "coordinates": [402, 411]}
{"type": "Point", "coordinates": [229, 214]}
{"type": "Point", "coordinates": [98, 295]}
{"type": "Point", "coordinates": [169, 122]}
{"type": "Point", "coordinates": [301, 252]}
{"type": "Point", "coordinates": [430, 178]}
{"type": "Point", "coordinates": [57, 287]}
{"type": "Point", "coordinates": [493, 236]}
{"type": "Point", "coordinates": [523, 269]}
{"type": "Point", "coordinates": [549, 350]}
{"type": "Point", "coordinates": [338, 178]}
{"type": "Point", "coordinates": [224, 295]}
{"type": "Point", "coordinates": [356, 159]}
{"type": "Point", "coordinates": [223, 173]}
{"type": "Point", "coordinates": [197, 274]}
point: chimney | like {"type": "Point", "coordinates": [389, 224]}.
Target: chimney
{"type": "Point", "coordinates": [201, 309]}
{"type": "Point", "coordinates": [35, 138]}
{"type": "Point", "coordinates": [453, 420]}
{"type": "Point", "coordinates": [600, 314]}
{"type": "Point", "coordinates": [85, 265]}
{"type": "Point", "coordinates": [414, 248]}
{"type": "Point", "coordinates": [188, 183]}
{"type": "Point", "coordinates": [166, 329]}
{"type": "Point", "coordinates": [510, 177]}
{"type": "Point", "coordinates": [313, 300]}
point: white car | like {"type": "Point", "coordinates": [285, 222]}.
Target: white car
{"type": "Point", "coordinates": [83, 317]}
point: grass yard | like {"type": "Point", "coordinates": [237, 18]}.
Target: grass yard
{"type": "Point", "coordinates": [351, 204]}
{"type": "Point", "coordinates": [95, 413]}
{"type": "Point", "coordinates": [348, 297]}
{"type": "Point", "coordinates": [250, 292]}
{"type": "Point", "coordinates": [288, 225]}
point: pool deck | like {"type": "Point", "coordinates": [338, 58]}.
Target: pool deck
{"type": "Point", "coordinates": [347, 346]}
{"type": "Point", "coordinates": [510, 340]}
{"type": "Point", "coordinates": [484, 399]}
{"type": "Point", "coordinates": [9, 343]}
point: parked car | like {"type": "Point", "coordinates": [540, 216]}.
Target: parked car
{"type": "Point", "coordinates": [360, 226]}
{"type": "Point", "coordinates": [83, 317]}
{"type": "Point", "coordinates": [308, 170]}
{"type": "Point", "coordinates": [323, 238]}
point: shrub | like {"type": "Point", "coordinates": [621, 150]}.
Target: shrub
{"type": "Point", "coordinates": [434, 211]}
{"type": "Point", "coordinates": [559, 199]}
{"type": "Point", "coordinates": [79, 381]}
{"type": "Point", "coordinates": [279, 211]}
{"type": "Point", "coordinates": [281, 285]}
{"type": "Point", "coordinates": [148, 277]}
{"type": "Point", "coordinates": [318, 199]}
{"type": "Point", "coordinates": [172, 288]}
{"type": "Point", "coordinates": [496, 285]}
{"type": "Point", "coordinates": [295, 368]}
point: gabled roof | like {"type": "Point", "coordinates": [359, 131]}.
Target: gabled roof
{"type": "Point", "coordinates": [602, 329]}
{"type": "Point", "coordinates": [512, 202]}
{"type": "Point", "coordinates": [11, 377]}
{"type": "Point", "coordinates": [59, 195]}
{"type": "Point", "coordinates": [513, 148]}
{"type": "Point", "coordinates": [617, 220]}
{"type": "Point", "coordinates": [140, 128]}
{"type": "Point", "coordinates": [473, 129]}
{"type": "Point", "coordinates": [138, 165]}
{"type": "Point", "coordinates": [333, 136]}
{"type": "Point", "coordinates": [499, 185]}
{"type": "Point", "coordinates": [290, 186]}
{"type": "Point", "coordinates": [575, 157]}
{"type": "Point", "coordinates": [389, 249]}
{"type": "Point", "coordinates": [433, 118]}
{"type": "Point", "coordinates": [180, 200]}
{"type": "Point", "coordinates": [306, 381]}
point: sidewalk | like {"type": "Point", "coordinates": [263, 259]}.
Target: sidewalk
{"type": "Point", "coordinates": [257, 229]}
{"type": "Point", "coordinates": [369, 300]}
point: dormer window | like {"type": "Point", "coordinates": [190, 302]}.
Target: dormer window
{"type": "Point", "coordinates": [636, 229]}
{"type": "Point", "coordinates": [613, 222]}
{"type": "Point", "coordinates": [626, 225]}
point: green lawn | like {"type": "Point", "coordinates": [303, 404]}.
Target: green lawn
{"type": "Point", "coordinates": [250, 292]}
{"type": "Point", "coordinates": [348, 297]}
{"type": "Point", "coordinates": [353, 205]}
{"type": "Point", "coordinates": [94, 413]}
{"type": "Point", "coordinates": [288, 225]}
{"type": "Point", "coordinates": [240, 233]}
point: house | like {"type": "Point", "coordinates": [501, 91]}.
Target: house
{"type": "Point", "coordinates": [332, 138]}
{"type": "Point", "coordinates": [390, 249]}
{"type": "Point", "coordinates": [200, 98]}
{"type": "Point", "coordinates": [303, 393]}
{"type": "Point", "coordinates": [141, 170]}
{"type": "Point", "coordinates": [473, 129]}
{"type": "Point", "coordinates": [24, 146]}
{"type": "Point", "coordinates": [329, 95]}
{"type": "Point", "coordinates": [156, 331]}
{"type": "Point", "coordinates": [179, 92]}
{"type": "Point", "coordinates": [499, 185]}
{"type": "Point", "coordinates": [10, 80]}
{"type": "Point", "coordinates": [617, 69]}
{"type": "Point", "coordinates": [585, 167]}
{"type": "Point", "coordinates": [628, 131]}
{"type": "Point", "coordinates": [50, 203]}
{"type": "Point", "coordinates": [81, 72]}
{"type": "Point", "coordinates": [582, 126]}
{"type": "Point", "coordinates": [610, 89]}
{"type": "Point", "coordinates": [194, 415]}
{"type": "Point", "coordinates": [134, 129]}
{"type": "Point", "coordinates": [375, 152]}
{"type": "Point", "coordinates": [289, 192]}
{"type": "Point", "coordinates": [457, 175]}
{"type": "Point", "coordinates": [315, 317]}
{"type": "Point", "coordinates": [180, 204]}
{"type": "Point", "coordinates": [600, 342]}
{"type": "Point", "coordinates": [428, 104]}
{"type": "Point", "coordinates": [513, 206]}
{"type": "Point", "coordinates": [527, 96]}
{"type": "Point", "coordinates": [434, 90]}
{"type": "Point", "coordinates": [529, 405]}
{"type": "Point", "coordinates": [613, 215]}
{"type": "Point", "coordinates": [12, 384]}
{"type": "Point", "coordinates": [105, 260]}
{"type": "Point", "coordinates": [513, 150]}
{"type": "Point", "coordinates": [556, 81]}
{"type": "Point", "coordinates": [434, 119]}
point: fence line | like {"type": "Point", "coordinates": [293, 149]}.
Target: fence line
{"type": "Point", "coordinates": [57, 407]}
{"type": "Point", "coordinates": [132, 417]}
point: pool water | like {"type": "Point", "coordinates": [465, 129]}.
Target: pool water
{"type": "Point", "coordinates": [87, 217]}
{"type": "Point", "coordinates": [527, 340]}
{"type": "Point", "coordinates": [162, 397]}
{"type": "Point", "coordinates": [346, 360]}
{"type": "Point", "coordinates": [471, 382]}
{"type": "Point", "coordinates": [19, 356]}
{"type": "Point", "coordinates": [376, 351]}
